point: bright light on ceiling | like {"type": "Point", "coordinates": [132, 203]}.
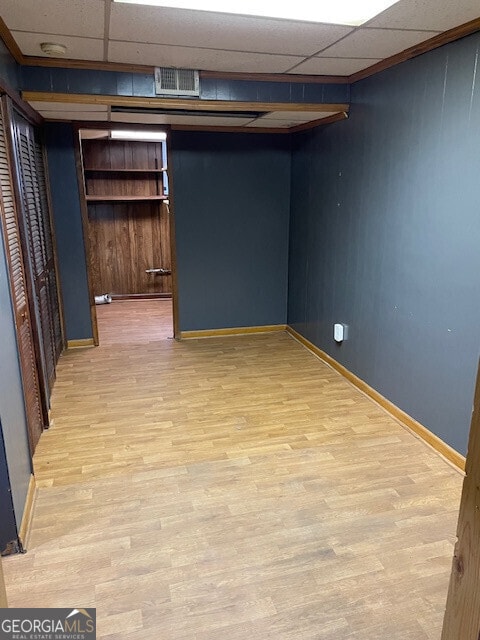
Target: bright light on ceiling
{"type": "Point", "coordinates": [147, 136]}
{"type": "Point", "coordinates": [348, 12]}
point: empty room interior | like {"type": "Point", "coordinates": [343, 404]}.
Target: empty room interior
{"type": "Point", "coordinates": [240, 317]}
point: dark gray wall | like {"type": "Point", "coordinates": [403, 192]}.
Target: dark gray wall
{"type": "Point", "coordinates": [385, 236]}
{"type": "Point", "coordinates": [68, 229]}
{"type": "Point", "coordinates": [9, 69]}
{"type": "Point", "coordinates": [8, 526]}
{"type": "Point", "coordinates": [121, 83]}
{"type": "Point", "coordinates": [231, 194]}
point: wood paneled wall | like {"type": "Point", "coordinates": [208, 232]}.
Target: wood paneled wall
{"type": "Point", "coordinates": [126, 239]}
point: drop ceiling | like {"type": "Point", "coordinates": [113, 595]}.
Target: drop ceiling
{"type": "Point", "coordinates": [104, 31]}
{"type": "Point", "coordinates": [101, 113]}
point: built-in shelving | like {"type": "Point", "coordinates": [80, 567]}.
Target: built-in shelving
{"type": "Point", "coordinates": [129, 171]}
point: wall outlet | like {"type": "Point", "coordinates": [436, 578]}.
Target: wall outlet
{"type": "Point", "coordinates": [339, 332]}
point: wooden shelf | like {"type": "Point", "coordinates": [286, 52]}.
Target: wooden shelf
{"type": "Point", "coordinates": [107, 170]}
{"type": "Point", "coordinates": [124, 198]}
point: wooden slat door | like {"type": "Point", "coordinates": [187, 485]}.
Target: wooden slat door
{"type": "Point", "coordinates": [50, 271]}
{"type": "Point", "coordinates": [38, 246]}
{"type": "Point", "coordinates": [11, 233]}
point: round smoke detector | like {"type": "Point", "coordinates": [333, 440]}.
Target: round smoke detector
{"type": "Point", "coordinates": [53, 49]}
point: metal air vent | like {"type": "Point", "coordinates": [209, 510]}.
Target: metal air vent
{"type": "Point", "coordinates": [176, 82]}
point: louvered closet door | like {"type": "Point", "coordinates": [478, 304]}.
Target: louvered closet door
{"type": "Point", "coordinates": [19, 296]}
{"type": "Point", "coordinates": [38, 241]}
{"type": "Point", "coordinates": [50, 273]}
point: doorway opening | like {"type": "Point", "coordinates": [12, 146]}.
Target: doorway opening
{"type": "Point", "coordinates": [129, 234]}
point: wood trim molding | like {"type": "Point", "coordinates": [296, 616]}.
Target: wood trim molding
{"type": "Point", "coordinates": [232, 331]}
{"type": "Point", "coordinates": [77, 148]}
{"type": "Point", "coordinates": [80, 344]}
{"type": "Point", "coordinates": [438, 445]}
{"type": "Point", "coordinates": [412, 52]}
{"type": "Point", "coordinates": [3, 592]}
{"type": "Point", "coordinates": [10, 42]}
{"type": "Point", "coordinates": [462, 612]}
{"type": "Point", "coordinates": [170, 205]}
{"type": "Point", "coordinates": [26, 523]}
{"type": "Point", "coordinates": [179, 103]}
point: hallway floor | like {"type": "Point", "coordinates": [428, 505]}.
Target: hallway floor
{"type": "Point", "coordinates": [134, 321]}
{"type": "Point", "coordinates": [234, 488]}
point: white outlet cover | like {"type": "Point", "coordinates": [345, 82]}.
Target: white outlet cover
{"type": "Point", "coordinates": [338, 332]}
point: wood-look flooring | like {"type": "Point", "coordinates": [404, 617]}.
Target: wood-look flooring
{"type": "Point", "coordinates": [233, 488]}
{"type": "Point", "coordinates": [134, 321]}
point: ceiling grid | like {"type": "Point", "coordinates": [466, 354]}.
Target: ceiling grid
{"type": "Point", "coordinates": [132, 34]}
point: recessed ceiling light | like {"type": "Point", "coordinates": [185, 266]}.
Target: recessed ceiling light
{"type": "Point", "coordinates": [348, 12]}
{"type": "Point", "coordinates": [146, 136]}
{"type": "Point", "coordinates": [53, 48]}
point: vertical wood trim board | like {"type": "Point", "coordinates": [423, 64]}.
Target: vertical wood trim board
{"type": "Point", "coordinates": [170, 205]}
{"type": "Point", "coordinates": [86, 240]}
{"type": "Point", "coordinates": [3, 593]}
{"type": "Point", "coordinates": [398, 414]}
{"type": "Point", "coordinates": [462, 615]}
{"type": "Point", "coordinates": [25, 525]}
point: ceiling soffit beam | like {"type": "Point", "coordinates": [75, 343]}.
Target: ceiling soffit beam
{"type": "Point", "coordinates": [179, 103]}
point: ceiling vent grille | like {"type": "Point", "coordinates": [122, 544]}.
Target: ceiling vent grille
{"type": "Point", "coordinates": [176, 82]}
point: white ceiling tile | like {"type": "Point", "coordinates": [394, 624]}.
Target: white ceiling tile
{"type": "Point", "coordinates": [160, 25]}
{"type": "Point", "coordinates": [375, 43]}
{"type": "Point", "coordinates": [77, 48]}
{"type": "Point", "coordinates": [74, 115]}
{"type": "Point", "coordinates": [209, 121]}
{"type": "Point", "coordinates": [66, 106]}
{"type": "Point", "coordinates": [206, 59]}
{"type": "Point", "coordinates": [287, 119]}
{"type": "Point", "coordinates": [435, 15]}
{"type": "Point", "coordinates": [273, 124]}
{"type": "Point", "coordinates": [298, 116]}
{"type": "Point", "coordinates": [63, 17]}
{"type": "Point", "coordinates": [334, 66]}
{"type": "Point", "coordinates": [152, 118]}
{"type": "Point", "coordinates": [137, 118]}
{"type": "Point", "coordinates": [92, 134]}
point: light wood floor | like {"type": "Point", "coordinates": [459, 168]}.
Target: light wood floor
{"type": "Point", "coordinates": [134, 321]}
{"type": "Point", "coordinates": [234, 488]}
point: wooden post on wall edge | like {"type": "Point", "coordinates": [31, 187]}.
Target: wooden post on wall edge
{"type": "Point", "coordinates": [3, 594]}
{"type": "Point", "coordinates": [462, 615]}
